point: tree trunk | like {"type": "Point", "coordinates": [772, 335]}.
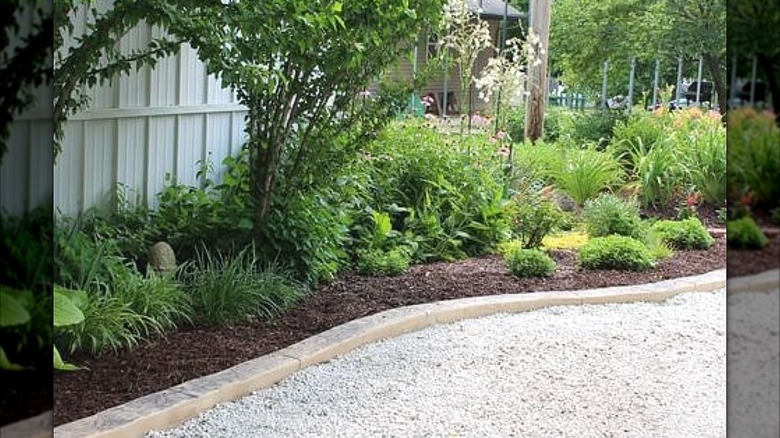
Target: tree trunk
{"type": "Point", "coordinates": [768, 65]}
{"type": "Point", "coordinates": [719, 81]}
{"type": "Point", "coordinates": [537, 77]}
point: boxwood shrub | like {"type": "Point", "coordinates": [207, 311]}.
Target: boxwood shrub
{"type": "Point", "coordinates": [530, 263]}
{"type": "Point", "coordinates": [615, 252]}
{"type": "Point", "coordinates": [744, 233]}
{"type": "Point", "coordinates": [686, 234]}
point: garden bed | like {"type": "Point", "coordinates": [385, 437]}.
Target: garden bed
{"type": "Point", "coordinates": [192, 352]}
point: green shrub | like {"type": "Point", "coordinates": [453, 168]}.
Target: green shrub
{"type": "Point", "coordinates": [615, 252]}
{"type": "Point", "coordinates": [444, 192]}
{"type": "Point", "coordinates": [658, 248]}
{"type": "Point", "coordinates": [377, 262]}
{"type": "Point", "coordinates": [595, 127]}
{"type": "Point", "coordinates": [753, 155]}
{"type": "Point", "coordinates": [587, 172]}
{"type": "Point", "coordinates": [609, 214]}
{"type": "Point", "coordinates": [308, 234]}
{"type": "Point", "coordinates": [656, 173]}
{"type": "Point", "coordinates": [640, 127]}
{"type": "Point", "coordinates": [534, 218]}
{"type": "Point", "coordinates": [230, 288]}
{"type": "Point", "coordinates": [686, 234]}
{"type": "Point", "coordinates": [744, 233]}
{"type": "Point", "coordinates": [530, 263]}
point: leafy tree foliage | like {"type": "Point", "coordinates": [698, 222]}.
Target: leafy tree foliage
{"type": "Point", "coordinates": [300, 66]}
{"type": "Point", "coordinates": [585, 33]}
{"type": "Point", "coordinates": [23, 59]}
{"type": "Point", "coordinates": [752, 28]}
{"type": "Point", "coordinates": [94, 58]}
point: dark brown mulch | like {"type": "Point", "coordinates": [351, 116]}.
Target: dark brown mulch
{"type": "Point", "coordinates": [25, 394]}
{"type": "Point", "coordinates": [194, 352]}
{"type": "Point", "coordinates": [748, 262]}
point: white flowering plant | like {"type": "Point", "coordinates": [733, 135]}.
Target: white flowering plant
{"type": "Point", "coordinates": [465, 35]}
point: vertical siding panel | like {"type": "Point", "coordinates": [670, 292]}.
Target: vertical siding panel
{"type": "Point", "coordinates": [192, 78]}
{"type": "Point", "coordinates": [131, 157]}
{"type": "Point", "coordinates": [163, 83]}
{"type": "Point", "coordinates": [134, 87]}
{"type": "Point", "coordinates": [190, 148]}
{"type": "Point", "coordinates": [41, 159]}
{"type": "Point", "coordinates": [99, 158]}
{"type": "Point", "coordinates": [15, 173]}
{"type": "Point", "coordinates": [69, 171]}
{"type": "Point", "coordinates": [216, 93]}
{"type": "Point", "coordinates": [218, 146]}
{"type": "Point", "coordinates": [161, 155]}
{"type": "Point", "coordinates": [239, 132]}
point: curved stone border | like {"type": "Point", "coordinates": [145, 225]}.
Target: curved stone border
{"type": "Point", "coordinates": [34, 427]}
{"type": "Point", "coordinates": [762, 282]}
{"type": "Point", "coordinates": [169, 408]}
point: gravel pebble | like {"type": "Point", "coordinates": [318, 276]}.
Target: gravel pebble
{"type": "Point", "coordinates": [615, 370]}
{"type": "Point", "coordinates": [754, 364]}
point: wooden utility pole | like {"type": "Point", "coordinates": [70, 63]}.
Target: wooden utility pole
{"type": "Point", "coordinates": [539, 24]}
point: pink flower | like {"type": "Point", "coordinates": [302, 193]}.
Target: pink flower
{"type": "Point", "coordinates": [503, 151]}
{"type": "Point", "coordinates": [501, 135]}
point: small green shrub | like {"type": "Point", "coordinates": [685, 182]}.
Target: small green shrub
{"type": "Point", "coordinates": [609, 214]}
{"type": "Point", "coordinates": [230, 288]}
{"type": "Point", "coordinates": [534, 218]}
{"type": "Point", "coordinates": [685, 235]}
{"type": "Point", "coordinates": [524, 263]}
{"type": "Point", "coordinates": [594, 127]}
{"type": "Point", "coordinates": [744, 233]}
{"type": "Point", "coordinates": [615, 252]}
{"type": "Point", "coordinates": [658, 248]}
{"type": "Point", "coordinates": [377, 262]}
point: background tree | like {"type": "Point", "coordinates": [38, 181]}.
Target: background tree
{"type": "Point", "coordinates": [23, 60]}
{"type": "Point", "coordinates": [752, 29]}
{"type": "Point", "coordinates": [585, 33]}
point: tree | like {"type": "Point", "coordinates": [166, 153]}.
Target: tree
{"type": "Point", "coordinates": [301, 67]}
{"type": "Point", "coordinates": [23, 60]}
{"type": "Point", "coordinates": [751, 25]}
{"type": "Point", "coordinates": [93, 58]}
{"type": "Point", "coordinates": [585, 33]}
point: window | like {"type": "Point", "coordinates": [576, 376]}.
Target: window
{"type": "Point", "coordinates": [433, 47]}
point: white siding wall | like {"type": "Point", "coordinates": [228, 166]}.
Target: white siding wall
{"type": "Point", "coordinates": [26, 172]}
{"type": "Point", "coordinates": [142, 126]}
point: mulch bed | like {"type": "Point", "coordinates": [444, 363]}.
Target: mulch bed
{"type": "Point", "coordinates": [193, 352]}
{"type": "Point", "coordinates": [25, 394]}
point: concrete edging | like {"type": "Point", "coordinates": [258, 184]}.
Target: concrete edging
{"type": "Point", "coordinates": [755, 283]}
{"type": "Point", "coordinates": [39, 426]}
{"type": "Point", "coordinates": [171, 407]}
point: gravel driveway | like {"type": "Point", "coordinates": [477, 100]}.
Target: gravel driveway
{"type": "Point", "coordinates": [754, 364]}
{"type": "Point", "coordinates": [618, 370]}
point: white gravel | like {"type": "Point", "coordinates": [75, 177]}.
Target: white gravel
{"type": "Point", "coordinates": [622, 370]}
{"type": "Point", "coordinates": [754, 364]}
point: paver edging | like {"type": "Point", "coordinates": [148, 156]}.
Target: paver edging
{"type": "Point", "coordinates": [760, 282]}
{"type": "Point", "coordinates": [38, 426]}
{"type": "Point", "coordinates": [169, 408]}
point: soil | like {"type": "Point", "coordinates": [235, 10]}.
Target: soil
{"type": "Point", "coordinates": [25, 394]}
{"type": "Point", "coordinates": [193, 352]}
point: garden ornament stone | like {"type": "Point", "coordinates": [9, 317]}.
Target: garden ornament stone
{"type": "Point", "coordinates": [162, 258]}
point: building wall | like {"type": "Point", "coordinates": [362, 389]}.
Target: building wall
{"type": "Point", "coordinates": [404, 69]}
